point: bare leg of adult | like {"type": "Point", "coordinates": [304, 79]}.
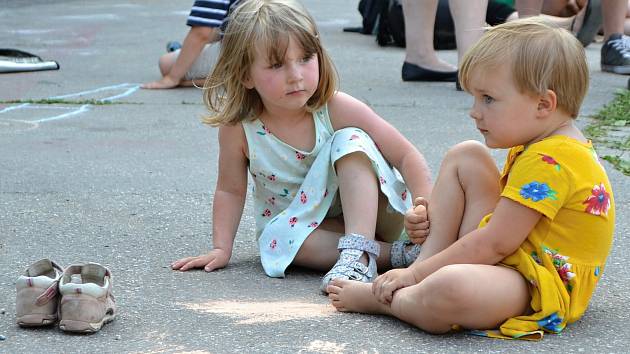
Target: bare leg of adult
{"type": "Point", "coordinates": [470, 18]}
{"type": "Point", "coordinates": [614, 16]}
{"type": "Point", "coordinates": [473, 296]}
{"type": "Point", "coordinates": [419, 24]}
{"type": "Point", "coordinates": [528, 8]}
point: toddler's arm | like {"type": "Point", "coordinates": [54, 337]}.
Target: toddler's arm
{"type": "Point", "coordinates": [227, 206]}
{"type": "Point", "coordinates": [509, 226]}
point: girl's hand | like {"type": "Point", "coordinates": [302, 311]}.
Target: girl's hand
{"type": "Point", "coordinates": [216, 259]}
{"type": "Point", "coordinates": [417, 221]}
{"type": "Point", "coordinates": [386, 284]}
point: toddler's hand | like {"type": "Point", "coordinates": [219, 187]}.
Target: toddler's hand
{"type": "Point", "coordinates": [217, 258]}
{"type": "Point", "coordinates": [386, 284]}
{"type": "Point", "coordinates": [417, 221]}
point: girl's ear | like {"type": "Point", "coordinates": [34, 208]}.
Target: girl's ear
{"type": "Point", "coordinates": [248, 82]}
{"type": "Point", "coordinates": [547, 103]}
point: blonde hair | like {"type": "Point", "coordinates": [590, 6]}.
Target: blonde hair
{"type": "Point", "coordinates": [269, 23]}
{"type": "Point", "coordinates": [542, 57]}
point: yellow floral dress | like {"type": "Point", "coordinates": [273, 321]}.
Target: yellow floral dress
{"type": "Point", "coordinates": [564, 255]}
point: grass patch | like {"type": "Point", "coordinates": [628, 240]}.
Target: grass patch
{"type": "Point", "coordinates": [68, 102]}
{"type": "Point", "coordinates": [611, 128]}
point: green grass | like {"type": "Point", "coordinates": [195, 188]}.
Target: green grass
{"type": "Point", "coordinates": [604, 130]}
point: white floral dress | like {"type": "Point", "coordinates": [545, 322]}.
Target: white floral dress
{"type": "Point", "coordinates": [295, 190]}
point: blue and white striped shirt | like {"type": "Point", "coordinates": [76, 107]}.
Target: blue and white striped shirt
{"type": "Point", "coordinates": [209, 13]}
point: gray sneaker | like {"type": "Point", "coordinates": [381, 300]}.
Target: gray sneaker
{"type": "Point", "coordinates": [616, 54]}
{"type": "Point", "coordinates": [87, 302]}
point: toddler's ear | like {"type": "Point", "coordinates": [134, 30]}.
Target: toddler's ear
{"type": "Point", "coordinates": [547, 103]}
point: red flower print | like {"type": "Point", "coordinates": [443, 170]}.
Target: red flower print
{"type": "Point", "coordinates": [550, 160]}
{"type": "Point", "coordinates": [303, 197]}
{"type": "Point", "coordinates": [313, 224]}
{"type": "Point", "coordinates": [266, 213]}
{"type": "Point", "coordinates": [299, 155]}
{"type": "Point", "coordinates": [326, 193]}
{"type": "Point", "coordinates": [272, 200]}
{"type": "Point", "coordinates": [293, 221]}
{"type": "Point", "coordinates": [354, 137]}
{"type": "Point", "coordinates": [404, 195]}
{"type": "Point", "coordinates": [382, 180]}
{"type": "Point", "coordinates": [271, 177]}
{"type": "Point", "coordinates": [599, 201]}
{"type": "Point", "coordinates": [273, 244]}
{"type": "Point", "coordinates": [266, 130]}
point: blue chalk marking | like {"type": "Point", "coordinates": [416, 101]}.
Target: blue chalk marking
{"type": "Point", "coordinates": [81, 109]}
{"type": "Point", "coordinates": [131, 88]}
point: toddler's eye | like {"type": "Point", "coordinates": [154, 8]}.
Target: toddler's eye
{"type": "Point", "coordinates": [275, 66]}
{"type": "Point", "coordinates": [307, 58]}
{"type": "Point", "coordinates": [487, 99]}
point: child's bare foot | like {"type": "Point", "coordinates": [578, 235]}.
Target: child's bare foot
{"type": "Point", "coordinates": [354, 296]}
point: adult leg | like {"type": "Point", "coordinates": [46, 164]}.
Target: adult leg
{"type": "Point", "coordinates": [614, 16]}
{"type": "Point", "coordinates": [473, 296]}
{"type": "Point", "coordinates": [469, 17]}
{"type": "Point", "coordinates": [419, 24]}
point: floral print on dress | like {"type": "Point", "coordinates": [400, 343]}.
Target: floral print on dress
{"type": "Point", "coordinates": [382, 180]}
{"type": "Point", "coordinates": [562, 267]}
{"type": "Point", "coordinates": [303, 197]}
{"type": "Point", "coordinates": [537, 191]}
{"type": "Point", "coordinates": [264, 131]}
{"type": "Point", "coordinates": [552, 323]}
{"type": "Point", "coordinates": [273, 244]}
{"type": "Point", "coordinates": [314, 224]}
{"type": "Point", "coordinates": [550, 160]}
{"type": "Point", "coordinates": [403, 195]}
{"type": "Point", "coordinates": [299, 155]}
{"type": "Point", "coordinates": [266, 213]}
{"type": "Point", "coordinates": [292, 221]}
{"type": "Point", "coordinates": [598, 202]}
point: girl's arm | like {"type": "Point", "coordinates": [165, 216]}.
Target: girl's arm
{"type": "Point", "coordinates": [229, 199]}
{"type": "Point", "coordinates": [509, 226]}
{"type": "Point", "coordinates": [346, 111]}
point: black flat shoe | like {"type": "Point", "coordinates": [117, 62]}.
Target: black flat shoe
{"type": "Point", "coordinates": [412, 72]}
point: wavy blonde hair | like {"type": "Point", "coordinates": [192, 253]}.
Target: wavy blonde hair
{"type": "Point", "coordinates": [542, 57]}
{"type": "Point", "coordinates": [269, 24]}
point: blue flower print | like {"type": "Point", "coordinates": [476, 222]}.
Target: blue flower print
{"type": "Point", "coordinates": [552, 323]}
{"type": "Point", "coordinates": [597, 271]}
{"type": "Point", "coordinates": [537, 191]}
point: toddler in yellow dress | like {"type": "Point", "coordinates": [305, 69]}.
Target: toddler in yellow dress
{"type": "Point", "coordinates": [518, 253]}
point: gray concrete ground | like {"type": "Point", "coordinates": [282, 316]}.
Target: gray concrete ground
{"type": "Point", "coordinates": [130, 185]}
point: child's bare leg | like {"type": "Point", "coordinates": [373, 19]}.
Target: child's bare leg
{"type": "Point", "coordinates": [470, 295]}
{"type": "Point", "coordinates": [319, 250]}
{"type": "Point", "coordinates": [359, 193]}
{"type": "Point", "coordinates": [467, 188]}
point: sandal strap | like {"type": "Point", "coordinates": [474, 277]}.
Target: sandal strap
{"type": "Point", "coordinates": [358, 242]}
{"type": "Point", "coordinates": [400, 256]}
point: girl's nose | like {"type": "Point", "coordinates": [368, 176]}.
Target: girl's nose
{"type": "Point", "coordinates": [294, 72]}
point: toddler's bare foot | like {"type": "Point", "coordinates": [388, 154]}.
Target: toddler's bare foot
{"type": "Point", "coordinates": [354, 296]}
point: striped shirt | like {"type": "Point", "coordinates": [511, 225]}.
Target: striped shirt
{"type": "Point", "coordinates": [209, 13]}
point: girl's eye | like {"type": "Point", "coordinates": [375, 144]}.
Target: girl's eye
{"type": "Point", "coordinates": [307, 58]}
{"type": "Point", "coordinates": [275, 66]}
{"type": "Point", "coordinates": [487, 99]}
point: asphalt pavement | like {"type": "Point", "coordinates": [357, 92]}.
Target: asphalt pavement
{"type": "Point", "coordinates": [129, 184]}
